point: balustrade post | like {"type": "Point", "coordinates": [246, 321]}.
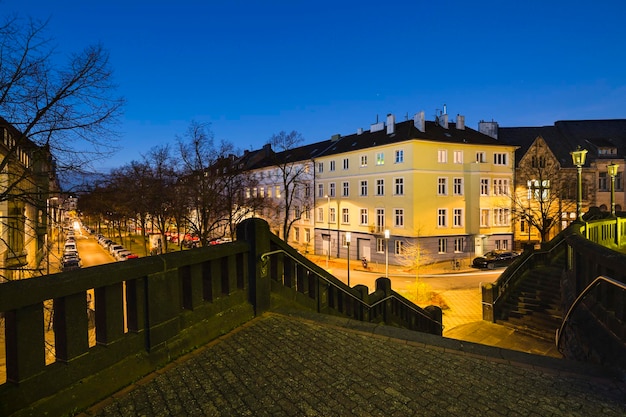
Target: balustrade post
{"type": "Point", "coordinates": [489, 292]}
{"type": "Point", "coordinates": [109, 309]}
{"type": "Point", "coordinates": [364, 312]}
{"type": "Point", "coordinates": [384, 285]}
{"type": "Point", "coordinates": [70, 327]}
{"type": "Point", "coordinates": [436, 314]}
{"type": "Point", "coordinates": [257, 233]}
{"type": "Point", "coordinates": [25, 347]}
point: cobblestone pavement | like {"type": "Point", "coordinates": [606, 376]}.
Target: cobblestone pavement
{"type": "Point", "coordinates": [278, 365]}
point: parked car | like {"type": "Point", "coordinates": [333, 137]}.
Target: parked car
{"type": "Point", "coordinates": [125, 254]}
{"type": "Point", "coordinates": [70, 265]}
{"type": "Point", "coordinates": [70, 247]}
{"type": "Point", "coordinates": [70, 261]}
{"type": "Point", "coordinates": [114, 248]}
{"type": "Point", "coordinates": [494, 259]}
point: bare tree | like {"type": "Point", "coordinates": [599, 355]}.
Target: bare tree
{"type": "Point", "coordinates": [55, 118]}
{"type": "Point", "coordinates": [201, 185]}
{"type": "Point", "coordinates": [68, 108]}
{"type": "Point", "coordinates": [235, 180]}
{"type": "Point", "coordinates": [294, 176]}
{"type": "Point", "coordinates": [161, 195]}
{"type": "Point", "coordinates": [543, 190]}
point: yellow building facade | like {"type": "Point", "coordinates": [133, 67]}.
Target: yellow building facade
{"type": "Point", "coordinates": [440, 188]}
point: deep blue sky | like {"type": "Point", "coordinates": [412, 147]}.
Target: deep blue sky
{"type": "Point", "coordinates": [253, 68]}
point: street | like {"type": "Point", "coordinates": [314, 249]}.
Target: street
{"type": "Point", "coordinates": [457, 293]}
{"type": "Point", "coordinates": [90, 252]}
{"type": "Point", "coordinates": [400, 281]}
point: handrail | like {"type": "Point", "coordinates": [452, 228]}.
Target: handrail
{"type": "Point", "coordinates": [579, 299]}
{"type": "Point", "coordinates": [370, 306]}
{"type": "Point", "coordinates": [513, 273]}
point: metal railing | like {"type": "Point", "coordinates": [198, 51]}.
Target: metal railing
{"type": "Point", "coordinates": [599, 280]}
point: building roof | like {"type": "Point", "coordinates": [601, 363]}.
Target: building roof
{"type": "Point", "coordinates": [565, 136]}
{"type": "Point", "coordinates": [406, 130]}
{"type": "Point", "coordinates": [380, 134]}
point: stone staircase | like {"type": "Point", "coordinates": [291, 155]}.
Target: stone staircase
{"type": "Point", "coordinates": [534, 307]}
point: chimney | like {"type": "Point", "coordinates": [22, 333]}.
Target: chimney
{"type": "Point", "coordinates": [460, 122]}
{"type": "Point", "coordinates": [391, 124]}
{"type": "Point", "coordinates": [378, 126]}
{"type": "Point", "coordinates": [488, 128]}
{"type": "Point", "coordinates": [443, 120]}
{"type": "Point", "coordinates": [418, 121]}
{"type": "Point", "coordinates": [359, 131]}
{"type": "Point", "coordinates": [335, 137]}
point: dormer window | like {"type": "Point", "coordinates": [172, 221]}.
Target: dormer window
{"type": "Point", "coordinates": [607, 151]}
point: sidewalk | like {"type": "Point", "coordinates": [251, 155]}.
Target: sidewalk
{"type": "Point", "coordinates": [282, 364]}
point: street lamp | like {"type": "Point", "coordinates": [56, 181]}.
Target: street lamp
{"type": "Point", "coordinates": [328, 248]}
{"type": "Point", "coordinates": [578, 158]}
{"type": "Point", "coordinates": [530, 190]}
{"type": "Point", "coordinates": [348, 237]}
{"type": "Point", "coordinates": [386, 253]}
{"type": "Point", "coordinates": [612, 169]}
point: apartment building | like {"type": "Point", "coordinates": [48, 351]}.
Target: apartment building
{"type": "Point", "coordinates": [546, 177]}
{"type": "Point", "coordinates": [433, 187]}
{"type": "Point", "coordinates": [29, 188]}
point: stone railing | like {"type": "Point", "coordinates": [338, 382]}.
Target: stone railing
{"type": "Point", "coordinates": [494, 295]}
{"type": "Point", "coordinates": [595, 329]}
{"type": "Point", "coordinates": [301, 281]}
{"type": "Point", "coordinates": [63, 353]}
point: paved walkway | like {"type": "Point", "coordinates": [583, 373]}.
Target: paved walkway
{"type": "Point", "coordinates": [314, 365]}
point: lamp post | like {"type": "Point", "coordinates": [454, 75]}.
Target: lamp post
{"type": "Point", "coordinates": [578, 158]}
{"type": "Point", "coordinates": [328, 249]}
{"type": "Point", "coordinates": [612, 169]}
{"type": "Point", "coordinates": [529, 184]}
{"type": "Point", "coordinates": [386, 253]}
{"type": "Point", "coordinates": [348, 237]}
